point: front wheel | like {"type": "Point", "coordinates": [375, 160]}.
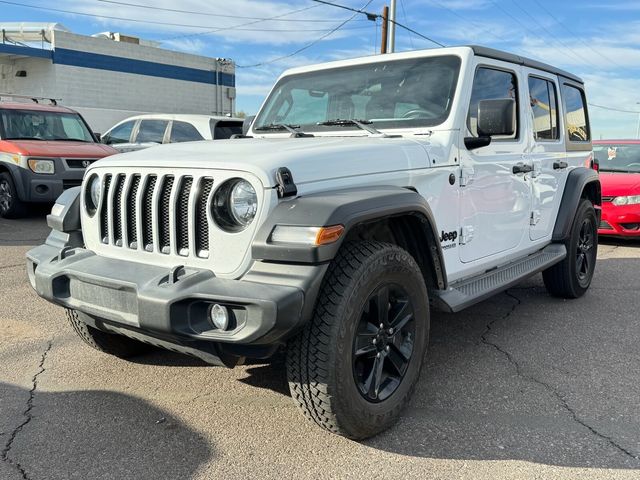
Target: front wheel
{"type": "Point", "coordinates": [571, 277]}
{"type": "Point", "coordinates": [355, 365]}
{"type": "Point", "coordinates": [10, 205]}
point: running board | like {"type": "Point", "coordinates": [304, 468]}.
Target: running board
{"type": "Point", "coordinates": [465, 293]}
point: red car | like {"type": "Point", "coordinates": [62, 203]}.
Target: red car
{"type": "Point", "coordinates": [44, 149]}
{"type": "Point", "coordinates": [619, 166]}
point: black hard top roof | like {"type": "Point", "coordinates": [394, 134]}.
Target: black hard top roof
{"type": "Point", "coordinates": [510, 57]}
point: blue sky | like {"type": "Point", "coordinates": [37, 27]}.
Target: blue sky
{"type": "Point", "coordinates": [599, 41]}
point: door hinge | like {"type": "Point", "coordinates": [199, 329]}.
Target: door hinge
{"type": "Point", "coordinates": [466, 234]}
{"type": "Point", "coordinates": [535, 217]}
{"type": "Point", "coordinates": [466, 176]}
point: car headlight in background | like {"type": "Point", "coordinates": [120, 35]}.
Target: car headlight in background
{"type": "Point", "coordinates": [93, 194]}
{"type": "Point", "coordinates": [42, 166]}
{"type": "Point", "coordinates": [235, 204]}
{"type": "Point", "coordinates": [629, 200]}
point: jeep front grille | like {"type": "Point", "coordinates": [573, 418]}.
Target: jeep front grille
{"type": "Point", "coordinates": [166, 214]}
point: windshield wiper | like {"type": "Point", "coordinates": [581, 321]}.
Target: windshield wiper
{"type": "Point", "coordinates": [361, 124]}
{"type": "Point", "coordinates": [293, 129]}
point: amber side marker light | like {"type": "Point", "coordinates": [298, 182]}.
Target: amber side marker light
{"type": "Point", "coordinates": [293, 234]}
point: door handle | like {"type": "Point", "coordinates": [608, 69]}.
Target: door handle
{"type": "Point", "coordinates": [522, 168]}
{"type": "Point", "coordinates": [560, 165]}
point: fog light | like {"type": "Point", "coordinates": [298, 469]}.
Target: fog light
{"type": "Point", "coordinates": [219, 316]}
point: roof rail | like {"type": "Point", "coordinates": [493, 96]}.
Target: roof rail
{"type": "Point", "coordinates": [52, 101]}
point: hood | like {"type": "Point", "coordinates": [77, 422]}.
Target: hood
{"type": "Point", "coordinates": [616, 184]}
{"type": "Point", "coordinates": [309, 159]}
{"type": "Point", "coordinates": [38, 148]}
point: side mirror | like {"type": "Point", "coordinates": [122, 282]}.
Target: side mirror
{"type": "Point", "coordinates": [98, 136]}
{"type": "Point", "coordinates": [246, 125]}
{"type": "Point", "coordinates": [496, 117]}
{"type": "Point", "coordinates": [595, 164]}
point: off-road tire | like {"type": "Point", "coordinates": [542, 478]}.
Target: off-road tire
{"type": "Point", "coordinates": [112, 344]}
{"type": "Point", "coordinates": [10, 205]}
{"type": "Point", "coordinates": [563, 279]}
{"type": "Point", "coordinates": [319, 359]}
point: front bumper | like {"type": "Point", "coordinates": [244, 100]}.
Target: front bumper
{"type": "Point", "coordinates": [38, 187]}
{"type": "Point", "coordinates": [170, 307]}
{"type": "Point", "coordinates": [623, 221]}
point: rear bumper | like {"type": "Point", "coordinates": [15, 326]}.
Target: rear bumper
{"type": "Point", "coordinates": [141, 300]}
{"type": "Point", "coordinates": [623, 221]}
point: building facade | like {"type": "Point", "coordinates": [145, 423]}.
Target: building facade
{"type": "Point", "coordinates": [108, 78]}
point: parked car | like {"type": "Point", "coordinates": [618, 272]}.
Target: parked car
{"type": "Point", "coordinates": [619, 166]}
{"type": "Point", "coordinates": [372, 189]}
{"type": "Point", "coordinates": [143, 131]}
{"type": "Point", "coordinates": [44, 149]}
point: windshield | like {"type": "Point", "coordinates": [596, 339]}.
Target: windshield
{"type": "Point", "coordinates": [411, 93]}
{"type": "Point", "coordinates": [42, 125]}
{"type": "Point", "coordinates": [618, 158]}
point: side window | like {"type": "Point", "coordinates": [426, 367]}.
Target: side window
{"type": "Point", "coordinates": [222, 129]}
{"type": "Point", "coordinates": [544, 109]}
{"type": "Point", "coordinates": [310, 105]}
{"type": "Point", "coordinates": [151, 131]}
{"type": "Point", "coordinates": [184, 132]}
{"type": "Point", "coordinates": [491, 84]}
{"type": "Point", "coordinates": [120, 134]}
{"type": "Point", "coordinates": [575, 119]}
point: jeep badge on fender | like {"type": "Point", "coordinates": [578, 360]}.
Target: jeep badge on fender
{"type": "Point", "coordinates": [326, 230]}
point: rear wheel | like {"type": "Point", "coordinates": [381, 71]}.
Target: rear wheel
{"type": "Point", "coordinates": [116, 345]}
{"type": "Point", "coordinates": [571, 277]}
{"type": "Point", "coordinates": [10, 205]}
{"type": "Point", "coordinates": [354, 367]}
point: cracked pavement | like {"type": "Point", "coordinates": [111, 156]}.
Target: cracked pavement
{"type": "Point", "coordinates": [521, 386]}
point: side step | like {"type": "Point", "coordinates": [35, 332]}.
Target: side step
{"type": "Point", "coordinates": [465, 293]}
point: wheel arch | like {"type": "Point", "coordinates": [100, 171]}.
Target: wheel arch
{"type": "Point", "coordinates": [14, 172]}
{"type": "Point", "coordinates": [392, 214]}
{"type": "Point", "coordinates": [581, 183]}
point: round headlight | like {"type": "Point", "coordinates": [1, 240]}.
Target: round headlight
{"type": "Point", "coordinates": [235, 204]}
{"type": "Point", "coordinates": [94, 191]}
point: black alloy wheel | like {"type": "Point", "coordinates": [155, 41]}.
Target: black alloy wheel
{"type": "Point", "coordinates": [585, 253]}
{"type": "Point", "coordinates": [383, 344]}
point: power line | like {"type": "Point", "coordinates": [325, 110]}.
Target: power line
{"type": "Point", "coordinates": [613, 109]}
{"type": "Point", "coordinates": [309, 45]}
{"type": "Point", "coordinates": [374, 16]}
{"type": "Point", "coordinates": [152, 22]}
{"type": "Point", "coordinates": [208, 14]}
{"type": "Point", "coordinates": [404, 15]}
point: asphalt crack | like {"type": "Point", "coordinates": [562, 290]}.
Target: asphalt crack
{"type": "Point", "coordinates": [555, 393]}
{"type": "Point", "coordinates": [4, 267]}
{"type": "Point", "coordinates": [27, 416]}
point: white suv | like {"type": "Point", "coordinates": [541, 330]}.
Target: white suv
{"type": "Point", "coordinates": [366, 192]}
{"type": "Point", "coordinates": [143, 131]}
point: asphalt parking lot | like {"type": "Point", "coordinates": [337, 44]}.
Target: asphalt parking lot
{"type": "Point", "coordinates": [521, 386]}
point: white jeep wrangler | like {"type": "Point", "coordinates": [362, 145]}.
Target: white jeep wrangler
{"type": "Point", "coordinates": [365, 193]}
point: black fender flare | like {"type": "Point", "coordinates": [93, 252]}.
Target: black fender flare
{"type": "Point", "coordinates": [581, 183]}
{"type": "Point", "coordinates": [350, 208]}
{"type": "Point", "coordinates": [14, 172]}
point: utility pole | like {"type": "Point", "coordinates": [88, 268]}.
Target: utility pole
{"type": "Point", "coordinates": [392, 27]}
{"type": "Point", "coordinates": [385, 24]}
{"type": "Point", "coordinates": [638, 129]}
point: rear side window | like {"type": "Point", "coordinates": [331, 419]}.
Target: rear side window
{"type": "Point", "coordinates": [544, 109]}
{"type": "Point", "coordinates": [120, 134]}
{"type": "Point", "coordinates": [224, 129]}
{"type": "Point", "coordinates": [151, 131]}
{"type": "Point", "coordinates": [184, 132]}
{"type": "Point", "coordinates": [576, 120]}
{"type": "Point", "coordinates": [491, 84]}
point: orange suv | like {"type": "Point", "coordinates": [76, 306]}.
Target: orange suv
{"type": "Point", "coordinates": [44, 149]}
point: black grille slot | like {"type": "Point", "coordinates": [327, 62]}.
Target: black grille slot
{"type": "Point", "coordinates": [202, 221]}
{"type": "Point", "coordinates": [147, 217]}
{"type": "Point", "coordinates": [80, 163]}
{"type": "Point", "coordinates": [104, 213]}
{"type": "Point", "coordinates": [163, 215]}
{"type": "Point", "coordinates": [182, 216]}
{"type": "Point", "coordinates": [117, 212]}
{"type": "Point", "coordinates": [132, 225]}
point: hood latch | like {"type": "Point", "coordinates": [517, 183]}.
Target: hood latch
{"type": "Point", "coordinates": [285, 185]}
